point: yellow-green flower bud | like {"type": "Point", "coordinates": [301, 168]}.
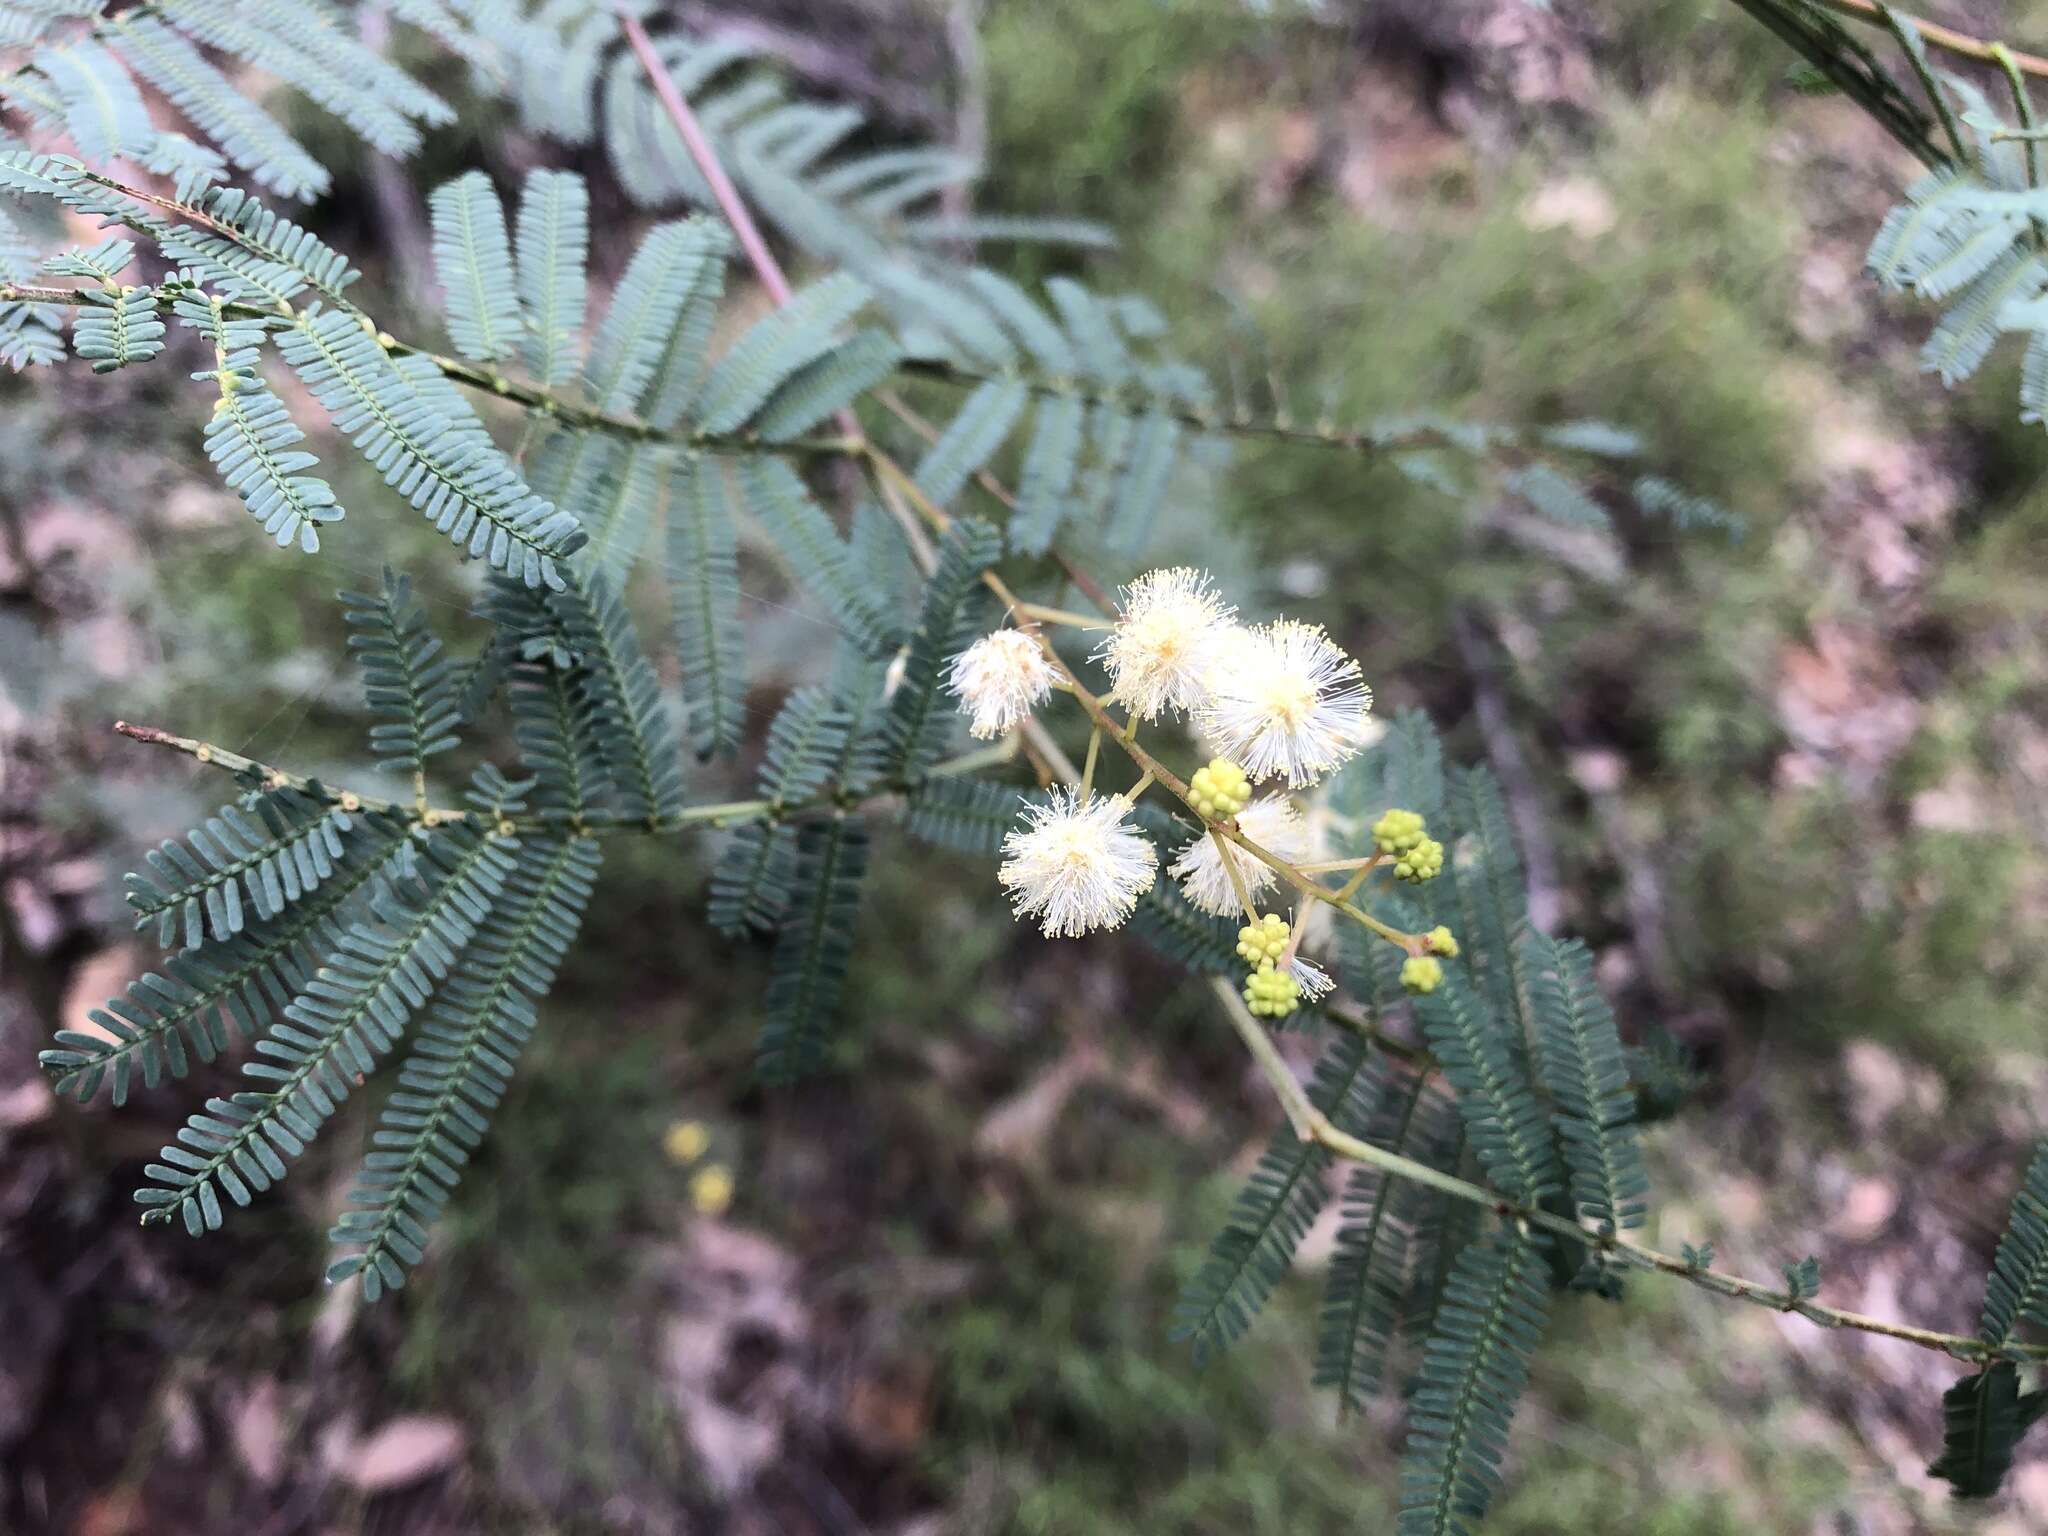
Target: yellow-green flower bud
{"type": "Point", "coordinates": [1422, 973]}
{"type": "Point", "coordinates": [1442, 941]}
{"type": "Point", "coordinates": [1425, 861]}
{"type": "Point", "coordinates": [1220, 790]}
{"type": "Point", "coordinates": [1397, 831]}
{"type": "Point", "coordinates": [1271, 993]}
{"type": "Point", "coordinates": [1263, 942]}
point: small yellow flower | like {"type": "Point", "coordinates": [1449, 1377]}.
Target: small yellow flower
{"type": "Point", "coordinates": [1443, 942]}
{"type": "Point", "coordinates": [1397, 831]}
{"type": "Point", "coordinates": [1422, 973]}
{"type": "Point", "coordinates": [1263, 942]}
{"type": "Point", "coordinates": [711, 1189]}
{"type": "Point", "coordinates": [1425, 861]}
{"type": "Point", "coordinates": [1271, 993]}
{"type": "Point", "coordinates": [686, 1141]}
{"type": "Point", "coordinates": [1220, 790]}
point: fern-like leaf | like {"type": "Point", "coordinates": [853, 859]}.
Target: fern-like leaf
{"type": "Point", "coordinates": [808, 968]}
{"type": "Point", "coordinates": [830, 384]}
{"type": "Point", "coordinates": [751, 883]}
{"type": "Point", "coordinates": [1983, 1417]}
{"type": "Point", "coordinates": [409, 680]}
{"type": "Point", "coordinates": [918, 716]}
{"type": "Point", "coordinates": [704, 598]}
{"type": "Point", "coordinates": [966, 815]}
{"type": "Point", "coordinates": [971, 438]}
{"type": "Point", "coordinates": [182, 1010]}
{"type": "Point", "coordinates": [346, 1017]}
{"type": "Point", "coordinates": [2018, 1285]}
{"type": "Point", "coordinates": [245, 132]}
{"type": "Point", "coordinates": [651, 307]}
{"type": "Point", "coordinates": [775, 348]}
{"type": "Point", "coordinates": [1586, 1073]}
{"type": "Point", "coordinates": [473, 261]}
{"type": "Point", "coordinates": [103, 111]}
{"type": "Point", "coordinates": [553, 256]}
{"type": "Point", "coordinates": [464, 486]}
{"type": "Point", "coordinates": [804, 536]}
{"type": "Point", "coordinates": [622, 701]}
{"type": "Point", "coordinates": [1050, 466]}
{"type": "Point", "coordinates": [261, 854]}
{"type": "Point", "coordinates": [461, 1063]}
{"type": "Point", "coordinates": [1275, 1209]}
{"type": "Point", "coordinates": [1474, 1369]}
{"type": "Point", "coordinates": [1363, 1298]}
{"type": "Point", "coordinates": [1502, 1115]}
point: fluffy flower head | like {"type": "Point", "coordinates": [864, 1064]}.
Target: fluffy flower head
{"type": "Point", "coordinates": [1287, 702]}
{"type": "Point", "coordinates": [1171, 635]}
{"type": "Point", "coordinates": [1076, 865]}
{"type": "Point", "coordinates": [1274, 824]}
{"type": "Point", "coordinates": [999, 680]}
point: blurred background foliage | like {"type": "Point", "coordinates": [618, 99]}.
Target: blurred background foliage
{"type": "Point", "coordinates": [1788, 783]}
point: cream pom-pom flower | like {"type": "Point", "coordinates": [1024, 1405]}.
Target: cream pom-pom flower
{"type": "Point", "coordinates": [1274, 824]}
{"type": "Point", "coordinates": [1076, 865]}
{"type": "Point", "coordinates": [999, 680]}
{"type": "Point", "coordinates": [1172, 632]}
{"type": "Point", "coordinates": [1286, 701]}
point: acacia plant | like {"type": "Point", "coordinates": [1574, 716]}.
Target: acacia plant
{"type": "Point", "coordinates": [1329, 873]}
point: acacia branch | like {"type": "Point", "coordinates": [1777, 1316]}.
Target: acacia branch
{"type": "Point", "coordinates": [1311, 1124]}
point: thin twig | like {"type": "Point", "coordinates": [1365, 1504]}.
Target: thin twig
{"type": "Point", "coordinates": [1311, 1124]}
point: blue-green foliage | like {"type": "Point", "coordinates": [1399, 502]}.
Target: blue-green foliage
{"type": "Point", "coordinates": [461, 1062]}
{"type": "Point", "coordinates": [1583, 1068]}
{"type": "Point", "coordinates": [1276, 1207]}
{"type": "Point", "coordinates": [251, 859]}
{"type": "Point", "coordinates": [462, 484]}
{"type": "Point", "coordinates": [343, 1021]}
{"type": "Point", "coordinates": [1474, 1368]}
{"type": "Point", "coordinates": [920, 717]}
{"type": "Point", "coordinates": [409, 680]}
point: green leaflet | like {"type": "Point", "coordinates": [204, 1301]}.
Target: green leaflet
{"type": "Point", "coordinates": [1275, 1209]}
{"type": "Point", "coordinates": [244, 131]}
{"type": "Point", "coordinates": [650, 307]}
{"type": "Point", "coordinates": [473, 261]}
{"type": "Point", "coordinates": [965, 815]}
{"type": "Point", "coordinates": [971, 438]}
{"type": "Point", "coordinates": [775, 348]}
{"type": "Point", "coordinates": [409, 681]}
{"type": "Point", "coordinates": [804, 536]}
{"type": "Point", "coordinates": [808, 968]}
{"type": "Point", "coordinates": [831, 383]}
{"type": "Point", "coordinates": [752, 881]}
{"type": "Point", "coordinates": [260, 854]}
{"type": "Point", "coordinates": [103, 112]}
{"type": "Point", "coordinates": [553, 254]}
{"type": "Point", "coordinates": [560, 742]}
{"type": "Point", "coordinates": [1369, 1280]}
{"type": "Point", "coordinates": [620, 702]}
{"type": "Point", "coordinates": [1474, 1369]}
{"type": "Point", "coordinates": [347, 1015]}
{"type": "Point", "coordinates": [1050, 465]}
{"type": "Point", "coordinates": [1983, 1418]}
{"type": "Point", "coordinates": [465, 487]}
{"type": "Point", "coordinates": [1582, 1066]}
{"type": "Point", "coordinates": [183, 1008]}
{"type": "Point", "coordinates": [1506, 1123]}
{"type": "Point", "coordinates": [461, 1062]}
{"type": "Point", "coordinates": [2018, 1284]}
{"type": "Point", "coordinates": [919, 716]}
{"type": "Point", "coordinates": [704, 599]}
